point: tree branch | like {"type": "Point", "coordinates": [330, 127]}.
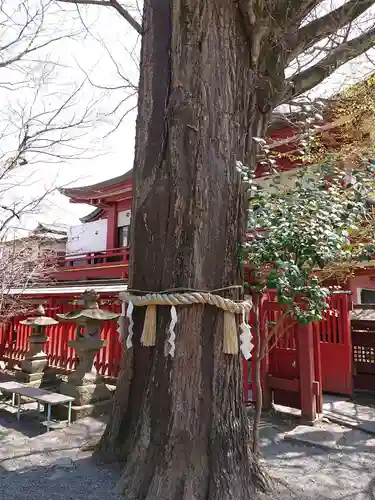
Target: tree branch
{"type": "Point", "coordinates": [293, 10]}
{"type": "Point", "coordinates": [110, 3]}
{"type": "Point", "coordinates": [311, 77]}
{"type": "Point", "coordinates": [126, 15]}
{"type": "Point", "coordinates": [29, 50]}
{"type": "Point", "coordinates": [324, 26]}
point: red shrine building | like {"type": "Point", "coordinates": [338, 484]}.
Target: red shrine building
{"type": "Point", "coordinates": [94, 253]}
{"type": "Point", "coordinates": [97, 256]}
{"type": "Point", "coordinates": [361, 281]}
{"type": "Point", "coordinates": [97, 249]}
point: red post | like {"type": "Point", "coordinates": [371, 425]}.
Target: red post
{"type": "Point", "coordinates": [112, 228]}
{"type": "Point", "coordinates": [305, 352]}
{"type": "Point", "coordinates": [5, 337]}
{"type": "Point", "coordinates": [264, 365]}
{"type": "Point", "coordinates": [344, 311]}
{"type": "Point", "coordinates": [252, 320]}
{"type": "Point", "coordinates": [318, 369]}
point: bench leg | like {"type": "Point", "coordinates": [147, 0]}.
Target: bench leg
{"type": "Point", "coordinates": [48, 416]}
{"type": "Point", "coordinates": [70, 413]}
{"type": "Point", "coordinates": [18, 406]}
{"type": "Point", "coordinates": [14, 399]}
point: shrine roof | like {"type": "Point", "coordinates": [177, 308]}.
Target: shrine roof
{"type": "Point", "coordinates": [68, 288]}
{"type": "Point", "coordinates": [95, 189]}
{"type": "Point", "coordinates": [91, 216]}
{"type": "Point", "coordinates": [51, 230]}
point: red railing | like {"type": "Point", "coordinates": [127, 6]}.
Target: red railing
{"type": "Point", "coordinates": [113, 257]}
{"type": "Point", "coordinates": [283, 364]}
{"type": "Point", "coordinates": [332, 346]}
{"type": "Point", "coordinates": [60, 355]}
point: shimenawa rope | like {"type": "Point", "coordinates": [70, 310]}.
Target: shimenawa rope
{"type": "Point", "coordinates": [173, 299]}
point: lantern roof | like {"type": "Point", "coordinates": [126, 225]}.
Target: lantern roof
{"type": "Point", "coordinates": [91, 310]}
{"type": "Point", "coordinates": [40, 319]}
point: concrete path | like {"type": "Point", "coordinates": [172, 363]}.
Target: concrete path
{"type": "Point", "coordinates": [325, 435]}
{"type": "Point", "coordinates": [341, 415]}
{"type": "Point", "coordinates": [349, 413]}
{"type": "Point", "coordinates": [319, 463]}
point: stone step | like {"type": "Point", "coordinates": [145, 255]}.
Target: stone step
{"type": "Point", "coordinates": [74, 435]}
{"type": "Point", "coordinates": [325, 436]}
{"type": "Point", "coordinates": [350, 414]}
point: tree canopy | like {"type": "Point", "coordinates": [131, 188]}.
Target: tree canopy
{"type": "Point", "coordinates": [298, 230]}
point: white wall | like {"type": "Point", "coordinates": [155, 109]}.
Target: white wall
{"type": "Point", "coordinates": [123, 218]}
{"type": "Point", "coordinates": [89, 237]}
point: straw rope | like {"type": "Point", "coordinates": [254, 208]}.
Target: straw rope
{"type": "Point", "coordinates": [188, 298]}
{"type": "Point", "coordinates": [173, 299]}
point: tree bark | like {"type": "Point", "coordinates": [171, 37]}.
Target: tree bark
{"type": "Point", "coordinates": [179, 424]}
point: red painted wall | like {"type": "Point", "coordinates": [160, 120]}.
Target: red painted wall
{"type": "Point", "coordinates": [358, 282]}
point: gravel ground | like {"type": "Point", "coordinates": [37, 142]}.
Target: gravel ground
{"type": "Point", "coordinates": [82, 481]}
{"type": "Point", "coordinates": [52, 467]}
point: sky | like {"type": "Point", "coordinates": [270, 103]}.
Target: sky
{"type": "Point", "coordinates": [96, 55]}
{"type": "Point", "coordinates": [98, 47]}
{"type": "Point", "coordinates": [112, 151]}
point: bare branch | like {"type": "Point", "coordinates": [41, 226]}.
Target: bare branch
{"type": "Point", "coordinates": [324, 26]}
{"type": "Point", "coordinates": [22, 33]}
{"type": "Point", "coordinates": [127, 84]}
{"type": "Point", "coordinates": [293, 12]}
{"type": "Point", "coordinates": [29, 50]}
{"type": "Point", "coordinates": [110, 3]}
{"type": "Point", "coordinates": [23, 262]}
{"type": "Point", "coordinates": [311, 77]}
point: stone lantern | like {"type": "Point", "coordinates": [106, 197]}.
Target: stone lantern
{"type": "Point", "coordinates": [85, 384]}
{"type": "Point", "coordinates": [35, 362]}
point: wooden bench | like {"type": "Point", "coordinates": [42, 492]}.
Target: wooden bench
{"type": "Point", "coordinates": [46, 398]}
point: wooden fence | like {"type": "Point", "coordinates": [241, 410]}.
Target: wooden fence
{"type": "Point", "coordinates": [324, 349]}
{"type": "Point", "coordinates": [14, 341]}
{"type": "Point", "coordinates": [317, 358]}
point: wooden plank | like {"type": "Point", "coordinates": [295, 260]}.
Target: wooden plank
{"type": "Point", "coordinates": [335, 349]}
{"type": "Point", "coordinates": [10, 386]}
{"type": "Point", "coordinates": [42, 395]}
{"type": "Point", "coordinates": [284, 384]}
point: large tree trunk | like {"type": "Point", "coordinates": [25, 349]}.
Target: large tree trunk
{"type": "Point", "coordinates": [179, 423]}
